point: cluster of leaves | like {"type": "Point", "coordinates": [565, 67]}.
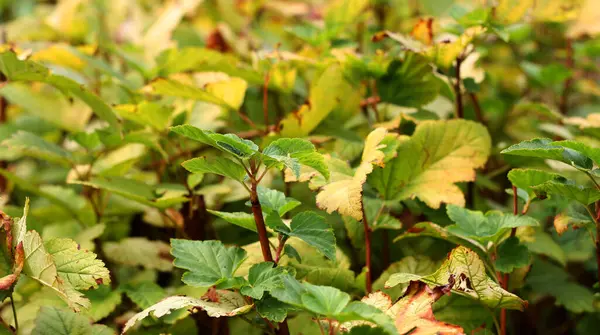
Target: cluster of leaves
{"type": "Point", "coordinates": [299, 167]}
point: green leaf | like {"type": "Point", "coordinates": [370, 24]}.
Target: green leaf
{"type": "Point", "coordinates": [489, 227]}
{"type": "Point", "coordinates": [466, 270]}
{"type": "Point", "coordinates": [57, 321]}
{"type": "Point", "coordinates": [241, 219]}
{"type": "Point", "coordinates": [273, 200]}
{"type": "Point", "coordinates": [79, 268]}
{"type": "Point", "coordinates": [409, 83]}
{"type": "Point", "coordinates": [568, 189]}
{"type": "Point", "coordinates": [525, 179]}
{"type": "Point", "coordinates": [293, 152]}
{"type": "Point", "coordinates": [227, 304]}
{"type": "Point", "coordinates": [314, 230]}
{"type": "Point", "coordinates": [18, 70]}
{"type": "Point", "coordinates": [135, 190]}
{"type": "Point", "coordinates": [147, 113]}
{"type": "Point", "coordinates": [366, 330]}
{"type": "Point", "coordinates": [272, 309]}
{"type": "Point", "coordinates": [324, 300]}
{"type": "Point", "coordinates": [208, 262]}
{"type": "Point", "coordinates": [40, 266]}
{"type": "Point", "coordinates": [263, 277]}
{"type": "Point", "coordinates": [511, 255]}
{"type": "Point", "coordinates": [548, 279]}
{"type": "Point", "coordinates": [104, 301]}
{"type": "Point", "coordinates": [229, 143]}
{"type": "Point", "coordinates": [32, 145]}
{"type": "Point", "coordinates": [572, 153]}
{"type": "Point", "coordinates": [291, 252]}
{"type": "Point", "coordinates": [139, 251]}
{"type": "Point", "coordinates": [145, 294]}
{"type": "Point", "coordinates": [437, 155]}
{"type": "Point", "coordinates": [217, 165]}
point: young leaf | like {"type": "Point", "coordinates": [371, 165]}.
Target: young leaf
{"type": "Point", "coordinates": [314, 230]}
{"type": "Point", "coordinates": [511, 255]}
{"type": "Point", "coordinates": [437, 155]}
{"type": "Point", "coordinates": [244, 220]}
{"type": "Point", "coordinates": [226, 304]}
{"type": "Point", "coordinates": [273, 200]}
{"type": "Point", "coordinates": [263, 277]}
{"type": "Point", "coordinates": [208, 263]}
{"type": "Point", "coordinates": [79, 268]}
{"type": "Point", "coordinates": [292, 153]}
{"type": "Point", "coordinates": [217, 165]}
{"type": "Point", "coordinates": [139, 251]}
{"type": "Point", "coordinates": [229, 143]}
{"type": "Point", "coordinates": [345, 195]}
{"type": "Point", "coordinates": [467, 274]}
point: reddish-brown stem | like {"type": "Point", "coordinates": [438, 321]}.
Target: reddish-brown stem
{"type": "Point", "coordinates": [477, 108]}
{"type": "Point", "coordinates": [260, 223]}
{"type": "Point", "coordinates": [281, 239]}
{"type": "Point", "coordinates": [367, 230]}
{"type": "Point", "coordinates": [374, 100]}
{"type": "Point", "coordinates": [266, 101]}
{"type": "Point", "coordinates": [569, 62]}
{"type": "Point", "coordinates": [3, 108]}
{"type": "Point", "coordinates": [459, 102]}
{"type": "Point", "coordinates": [597, 242]}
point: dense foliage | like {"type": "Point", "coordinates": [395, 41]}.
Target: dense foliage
{"type": "Point", "coordinates": [358, 167]}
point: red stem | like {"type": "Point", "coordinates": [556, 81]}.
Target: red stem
{"type": "Point", "coordinates": [260, 223]}
{"type": "Point", "coordinates": [369, 285]}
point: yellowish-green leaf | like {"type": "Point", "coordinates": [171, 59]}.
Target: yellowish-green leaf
{"type": "Point", "coordinates": [345, 195]}
{"type": "Point", "coordinates": [139, 251]}
{"type": "Point", "coordinates": [437, 155]}
{"type": "Point", "coordinates": [466, 274]}
{"type": "Point", "coordinates": [79, 268]}
{"type": "Point", "coordinates": [227, 304]}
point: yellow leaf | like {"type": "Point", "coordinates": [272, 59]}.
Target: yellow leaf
{"type": "Point", "coordinates": [345, 195]}
{"type": "Point", "coordinates": [511, 11]}
{"type": "Point", "coordinates": [588, 21]}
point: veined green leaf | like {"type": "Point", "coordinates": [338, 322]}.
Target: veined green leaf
{"type": "Point", "coordinates": [572, 153]}
{"type": "Point", "coordinates": [293, 152]}
{"type": "Point", "coordinates": [568, 189]}
{"type": "Point", "coordinates": [511, 255]}
{"type": "Point", "coordinates": [58, 321]}
{"type": "Point", "coordinates": [208, 262]}
{"type": "Point", "coordinates": [525, 179]}
{"type": "Point", "coordinates": [217, 165]}
{"type": "Point", "coordinates": [263, 277]}
{"type": "Point", "coordinates": [312, 229]}
{"type": "Point", "coordinates": [273, 200]}
{"type": "Point", "coordinates": [244, 220]}
{"type": "Point", "coordinates": [229, 143]}
{"type": "Point", "coordinates": [173, 88]}
{"type": "Point", "coordinates": [409, 83]}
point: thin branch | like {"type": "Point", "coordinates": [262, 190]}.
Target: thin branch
{"type": "Point", "coordinates": [593, 180]}
{"type": "Point", "coordinates": [367, 231]}
{"type": "Point", "coordinates": [266, 101]}
{"type": "Point", "coordinates": [320, 326]}
{"type": "Point", "coordinates": [457, 91]}
{"type": "Point", "coordinates": [477, 108]}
